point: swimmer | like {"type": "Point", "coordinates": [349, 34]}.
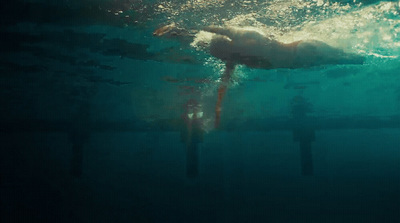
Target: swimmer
{"type": "Point", "coordinates": [255, 50]}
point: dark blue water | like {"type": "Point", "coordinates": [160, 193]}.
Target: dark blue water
{"type": "Point", "coordinates": [102, 122]}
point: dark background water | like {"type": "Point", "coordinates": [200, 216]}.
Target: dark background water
{"type": "Point", "coordinates": [94, 128]}
{"type": "Point", "coordinates": [243, 177]}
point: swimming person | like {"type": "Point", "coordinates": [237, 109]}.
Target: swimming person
{"type": "Point", "coordinates": [255, 50]}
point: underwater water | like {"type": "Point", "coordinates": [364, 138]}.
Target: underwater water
{"type": "Point", "coordinates": [103, 122]}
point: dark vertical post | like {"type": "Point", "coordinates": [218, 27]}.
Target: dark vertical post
{"type": "Point", "coordinates": [306, 158]}
{"type": "Point", "coordinates": [77, 159]}
{"type": "Point", "coordinates": [192, 134]}
{"type": "Point", "coordinates": [192, 160]}
{"type": "Point", "coordinates": [79, 134]}
{"type": "Point", "coordinates": [305, 140]}
{"type": "Point", "coordinates": [303, 133]}
{"type": "Point", "coordinates": [78, 140]}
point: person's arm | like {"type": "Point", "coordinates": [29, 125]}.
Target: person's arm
{"type": "Point", "coordinates": [229, 32]}
{"type": "Point", "coordinates": [174, 32]}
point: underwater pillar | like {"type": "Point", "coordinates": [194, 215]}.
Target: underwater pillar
{"type": "Point", "coordinates": [79, 133]}
{"type": "Point", "coordinates": [191, 137]}
{"type": "Point", "coordinates": [305, 136]}
{"type": "Point", "coordinates": [77, 159]}
{"type": "Point", "coordinates": [192, 134]}
{"type": "Point", "coordinates": [78, 139]}
{"type": "Point", "coordinates": [192, 160]}
{"type": "Point", "coordinates": [303, 132]}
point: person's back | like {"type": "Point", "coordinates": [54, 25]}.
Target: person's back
{"type": "Point", "coordinates": [255, 50]}
{"type": "Point", "coordinates": [251, 48]}
{"type": "Point", "coordinates": [311, 53]}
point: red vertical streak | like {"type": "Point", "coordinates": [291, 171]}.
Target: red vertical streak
{"type": "Point", "coordinates": [222, 91]}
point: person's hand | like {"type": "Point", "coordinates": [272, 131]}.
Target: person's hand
{"type": "Point", "coordinates": [164, 30]}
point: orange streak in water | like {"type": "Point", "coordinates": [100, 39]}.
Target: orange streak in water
{"type": "Point", "coordinates": [222, 91]}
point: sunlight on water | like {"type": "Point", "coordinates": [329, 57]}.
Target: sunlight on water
{"type": "Point", "coordinates": [368, 30]}
{"type": "Point", "coordinates": [371, 29]}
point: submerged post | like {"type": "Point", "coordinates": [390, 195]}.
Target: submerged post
{"type": "Point", "coordinates": [79, 134]}
{"type": "Point", "coordinates": [305, 136]}
{"type": "Point", "coordinates": [192, 134]}
{"type": "Point", "coordinates": [192, 160]}
{"type": "Point", "coordinates": [303, 133]}
{"type": "Point", "coordinates": [78, 140]}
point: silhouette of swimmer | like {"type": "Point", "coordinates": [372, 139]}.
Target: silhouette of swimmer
{"type": "Point", "coordinates": [255, 50]}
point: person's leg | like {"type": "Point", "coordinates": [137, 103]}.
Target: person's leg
{"type": "Point", "coordinates": [230, 67]}
{"type": "Point", "coordinates": [315, 53]}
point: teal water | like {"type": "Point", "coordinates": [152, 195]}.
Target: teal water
{"type": "Point", "coordinates": [97, 115]}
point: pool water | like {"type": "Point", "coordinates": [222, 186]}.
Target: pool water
{"type": "Point", "coordinates": [103, 122]}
